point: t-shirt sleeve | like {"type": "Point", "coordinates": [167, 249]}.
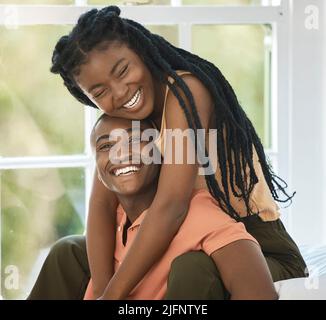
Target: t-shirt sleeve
{"type": "Point", "coordinates": [226, 234]}
{"type": "Point", "coordinates": [207, 227]}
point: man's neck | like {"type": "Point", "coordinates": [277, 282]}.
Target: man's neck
{"type": "Point", "coordinates": [135, 204]}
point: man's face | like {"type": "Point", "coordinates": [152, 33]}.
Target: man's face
{"type": "Point", "coordinates": [116, 169]}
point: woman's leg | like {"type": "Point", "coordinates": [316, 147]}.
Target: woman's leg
{"type": "Point", "coordinates": [65, 272]}
{"type": "Point", "coordinates": [194, 276]}
{"type": "Point", "coordinates": [281, 252]}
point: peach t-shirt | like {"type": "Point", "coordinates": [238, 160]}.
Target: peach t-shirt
{"type": "Point", "coordinates": [206, 227]}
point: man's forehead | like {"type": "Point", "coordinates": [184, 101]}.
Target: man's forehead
{"type": "Point", "coordinates": [116, 131]}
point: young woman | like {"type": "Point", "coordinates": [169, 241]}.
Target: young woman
{"type": "Point", "coordinates": [120, 67]}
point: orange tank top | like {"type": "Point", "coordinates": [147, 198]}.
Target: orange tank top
{"type": "Point", "coordinates": [261, 200]}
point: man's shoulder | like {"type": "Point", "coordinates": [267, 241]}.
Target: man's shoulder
{"type": "Point", "coordinates": [204, 209]}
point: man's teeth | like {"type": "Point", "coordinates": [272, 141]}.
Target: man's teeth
{"type": "Point", "coordinates": [125, 170]}
{"type": "Point", "coordinates": [134, 100]}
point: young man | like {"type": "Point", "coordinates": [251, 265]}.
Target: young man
{"type": "Point", "coordinates": [235, 252]}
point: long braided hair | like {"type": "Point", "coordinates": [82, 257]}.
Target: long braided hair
{"type": "Point", "coordinates": [237, 137]}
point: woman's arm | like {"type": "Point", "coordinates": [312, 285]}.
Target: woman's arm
{"type": "Point", "coordinates": [100, 235]}
{"type": "Point", "coordinates": [244, 271]}
{"type": "Point", "coordinates": [170, 205]}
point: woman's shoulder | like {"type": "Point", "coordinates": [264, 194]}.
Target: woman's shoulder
{"type": "Point", "coordinates": [200, 93]}
{"type": "Point", "coordinates": [190, 79]}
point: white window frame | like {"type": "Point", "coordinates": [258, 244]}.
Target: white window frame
{"type": "Point", "coordinates": [183, 16]}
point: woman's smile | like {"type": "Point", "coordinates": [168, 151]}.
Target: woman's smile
{"type": "Point", "coordinates": [134, 102]}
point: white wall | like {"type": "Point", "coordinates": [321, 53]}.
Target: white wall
{"type": "Point", "coordinates": [308, 166]}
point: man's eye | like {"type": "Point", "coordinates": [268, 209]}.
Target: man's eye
{"type": "Point", "coordinates": [134, 139]}
{"type": "Point", "coordinates": [105, 147]}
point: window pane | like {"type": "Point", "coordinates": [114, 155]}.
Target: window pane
{"type": "Point", "coordinates": [38, 206]}
{"type": "Point", "coordinates": [170, 33]}
{"type": "Point", "coordinates": [124, 2]}
{"type": "Point", "coordinates": [232, 2]}
{"type": "Point", "coordinates": [26, 2]}
{"type": "Point", "coordinates": [239, 52]}
{"type": "Point", "coordinates": [38, 114]}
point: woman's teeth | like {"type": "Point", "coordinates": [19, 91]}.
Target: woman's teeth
{"type": "Point", "coordinates": [125, 170]}
{"type": "Point", "coordinates": [134, 100]}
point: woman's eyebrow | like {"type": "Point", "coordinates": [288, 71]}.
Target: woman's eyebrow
{"type": "Point", "coordinates": [116, 65]}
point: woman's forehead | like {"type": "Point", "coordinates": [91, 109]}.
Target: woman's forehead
{"type": "Point", "coordinates": [113, 50]}
{"type": "Point", "coordinates": [101, 61]}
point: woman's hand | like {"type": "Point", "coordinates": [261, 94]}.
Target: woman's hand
{"type": "Point", "coordinates": [112, 292]}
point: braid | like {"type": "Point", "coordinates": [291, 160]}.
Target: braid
{"type": "Point", "coordinates": [236, 139]}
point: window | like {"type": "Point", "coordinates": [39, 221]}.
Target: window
{"type": "Point", "coordinates": [46, 164]}
{"type": "Point", "coordinates": [246, 45]}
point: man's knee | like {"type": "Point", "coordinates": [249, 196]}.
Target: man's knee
{"type": "Point", "coordinates": [194, 275]}
{"type": "Point", "coordinates": [69, 248]}
{"type": "Point", "coordinates": [194, 262]}
{"type": "Point", "coordinates": [65, 272]}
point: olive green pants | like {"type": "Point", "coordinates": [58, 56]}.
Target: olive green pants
{"type": "Point", "coordinates": [193, 275]}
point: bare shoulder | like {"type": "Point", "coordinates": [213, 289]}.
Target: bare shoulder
{"type": "Point", "coordinates": [202, 98]}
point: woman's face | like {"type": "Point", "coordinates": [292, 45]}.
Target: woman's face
{"type": "Point", "coordinates": [118, 82]}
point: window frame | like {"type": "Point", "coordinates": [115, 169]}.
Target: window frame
{"type": "Point", "coordinates": [184, 17]}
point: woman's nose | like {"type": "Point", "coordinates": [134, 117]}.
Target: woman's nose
{"type": "Point", "coordinates": [119, 92]}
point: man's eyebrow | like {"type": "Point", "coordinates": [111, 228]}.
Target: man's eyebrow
{"type": "Point", "coordinates": [104, 136]}
{"type": "Point", "coordinates": [108, 136]}
{"type": "Point", "coordinates": [97, 85]}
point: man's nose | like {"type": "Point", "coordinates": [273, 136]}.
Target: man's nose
{"type": "Point", "coordinates": [123, 155]}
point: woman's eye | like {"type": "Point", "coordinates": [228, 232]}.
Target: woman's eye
{"type": "Point", "coordinates": [123, 71]}
{"type": "Point", "coordinates": [98, 95]}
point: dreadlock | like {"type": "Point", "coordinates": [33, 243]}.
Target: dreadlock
{"type": "Point", "coordinates": [237, 137]}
